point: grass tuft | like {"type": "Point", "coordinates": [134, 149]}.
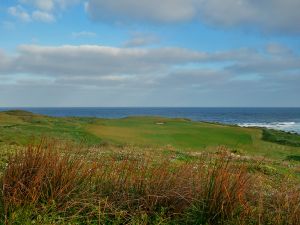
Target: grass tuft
{"type": "Point", "coordinates": [51, 184]}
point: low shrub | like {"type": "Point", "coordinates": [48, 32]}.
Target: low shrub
{"type": "Point", "coordinates": [281, 137]}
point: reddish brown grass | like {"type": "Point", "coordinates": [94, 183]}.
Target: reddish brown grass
{"type": "Point", "coordinates": [209, 190]}
{"type": "Point", "coordinates": [38, 175]}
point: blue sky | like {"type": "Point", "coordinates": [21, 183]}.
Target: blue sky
{"type": "Point", "coordinates": [149, 53]}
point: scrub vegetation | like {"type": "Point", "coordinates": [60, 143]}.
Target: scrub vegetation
{"type": "Point", "coordinates": [144, 170]}
{"type": "Point", "coordinates": [280, 137]}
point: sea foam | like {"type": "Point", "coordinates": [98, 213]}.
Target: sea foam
{"type": "Point", "coordinates": [285, 126]}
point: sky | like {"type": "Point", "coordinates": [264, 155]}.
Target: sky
{"type": "Point", "coordinates": [118, 53]}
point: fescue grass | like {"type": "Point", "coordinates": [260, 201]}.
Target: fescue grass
{"type": "Point", "coordinates": [59, 184]}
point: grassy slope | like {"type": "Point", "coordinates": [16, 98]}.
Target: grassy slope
{"type": "Point", "coordinates": [19, 127]}
{"type": "Point", "coordinates": [184, 134]}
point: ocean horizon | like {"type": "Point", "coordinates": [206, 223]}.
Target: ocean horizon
{"type": "Point", "coordinates": [281, 118]}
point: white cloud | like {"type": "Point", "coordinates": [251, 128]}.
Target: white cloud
{"type": "Point", "coordinates": [148, 66]}
{"type": "Point", "coordinates": [162, 75]}
{"type": "Point", "coordinates": [141, 39]}
{"type": "Point", "coordinates": [268, 16]}
{"type": "Point", "coordinates": [99, 60]}
{"type": "Point", "coordinates": [20, 13]}
{"type": "Point", "coordinates": [278, 49]}
{"type": "Point", "coordinates": [45, 5]}
{"type": "Point", "coordinates": [155, 10]}
{"type": "Point", "coordinates": [4, 60]}
{"type": "Point", "coordinates": [43, 16]}
{"type": "Point", "coordinates": [40, 10]}
{"type": "Point", "coordinates": [265, 15]}
{"type": "Point", "coordinates": [50, 5]}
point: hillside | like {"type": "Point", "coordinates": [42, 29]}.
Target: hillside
{"type": "Point", "coordinates": [19, 127]}
{"type": "Point", "coordinates": [145, 170]}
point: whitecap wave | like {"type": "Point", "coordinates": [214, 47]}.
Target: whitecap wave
{"type": "Point", "coordinates": [285, 126]}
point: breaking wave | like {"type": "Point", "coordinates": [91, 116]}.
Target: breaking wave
{"type": "Point", "coordinates": [285, 126]}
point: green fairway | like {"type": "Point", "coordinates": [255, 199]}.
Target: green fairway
{"type": "Point", "coordinates": [18, 127]}
{"type": "Point", "coordinates": [176, 132]}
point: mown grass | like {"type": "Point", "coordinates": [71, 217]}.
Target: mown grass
{"type": "Point", "coordinates": [64, 184]}
{"type": "Point", "coordinates": [177, 132]}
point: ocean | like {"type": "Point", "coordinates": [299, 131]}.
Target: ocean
{"type": "Point", "coordinates": [287, 119]}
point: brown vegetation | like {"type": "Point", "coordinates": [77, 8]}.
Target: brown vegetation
{"type": "Point", "coordinates": [68, 186]}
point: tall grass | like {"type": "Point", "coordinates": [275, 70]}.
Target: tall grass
{"type": "Point", "coordinates": [47, 184]}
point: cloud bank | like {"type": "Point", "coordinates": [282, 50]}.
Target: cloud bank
{"type": "Point", "coordinates": [268, 16]}
{"type": "Point", "coordinates": [160, 74]}
{"type": "Point", "coordinates": [97, 60]}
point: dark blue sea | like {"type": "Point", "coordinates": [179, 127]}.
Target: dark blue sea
{"type": "Point", "coordinates": [287, 119]}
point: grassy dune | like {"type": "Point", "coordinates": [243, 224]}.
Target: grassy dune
{"type": "Point", "coordinates": [145, 170]}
